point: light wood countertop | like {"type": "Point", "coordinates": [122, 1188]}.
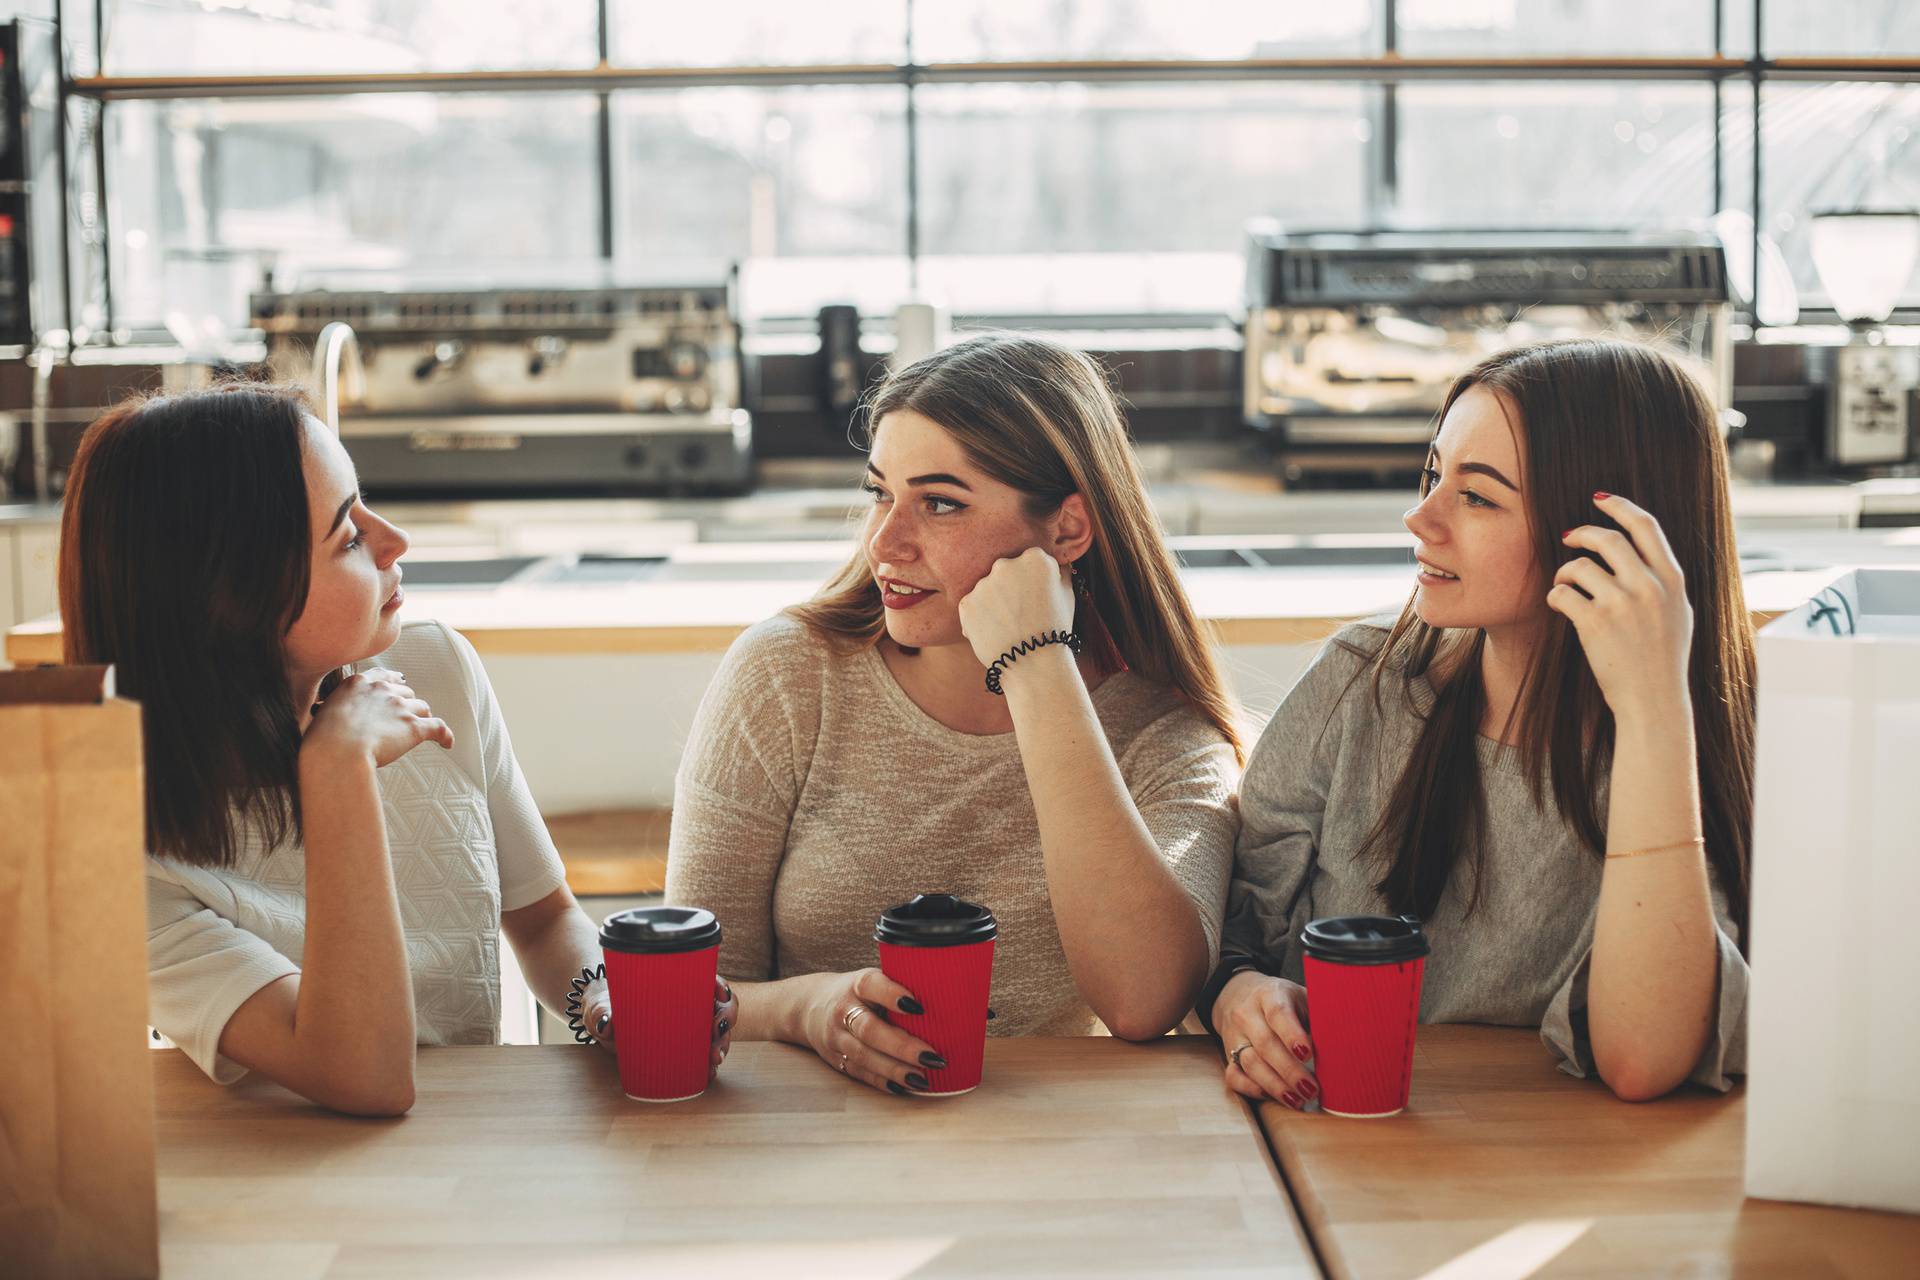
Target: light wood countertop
{"type": "Point", "coordinates": [1505, 1166]}
{"type": "Point", "coordinates": [1240, 607]}
{"type": "Point", "coordinates": [1086, 1157]}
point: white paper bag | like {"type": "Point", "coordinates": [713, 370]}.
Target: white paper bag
{"type": "Point", "coordinates": [1833, 1064]}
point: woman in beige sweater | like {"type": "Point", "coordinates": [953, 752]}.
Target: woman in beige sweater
{"type": "Point", "coordinates": [851, 753]}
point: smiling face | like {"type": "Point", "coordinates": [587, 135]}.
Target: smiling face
{"type": "Point", "coordinates": [937, 526]}
{"type": "Point", "coordinates": [352, 610]}
{"type": "Point", "coordinates": [1478, 566]}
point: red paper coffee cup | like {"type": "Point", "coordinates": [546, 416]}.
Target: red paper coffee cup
{"type": "Point", "coordinates": [1363, 999]}
{"type": "Point", "coordinates": [940, 948]}
{"type": "Point", "coordinates": [661, 963]}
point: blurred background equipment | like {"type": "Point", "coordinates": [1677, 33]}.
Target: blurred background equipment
{"type": "Point", "coordinates": [610, 390]}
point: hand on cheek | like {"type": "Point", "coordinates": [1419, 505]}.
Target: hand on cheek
{"type": "Point", "coordinates": [1021, 597]}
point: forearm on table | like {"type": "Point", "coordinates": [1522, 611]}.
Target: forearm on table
{"type": "Point", "coordinates": [553, 940]}
{"type": "Point", "coordinates": [1132, 937]}
{"type": "Point", "coordinates": [354, 1014]}
{"type": "Point", "coordinates": [1653, 979]}
{"type": "Point", "coordinates": [775, 1010]}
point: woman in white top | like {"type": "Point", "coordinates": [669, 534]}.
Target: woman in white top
{"type": "Point", "coordinates": [321, 895]}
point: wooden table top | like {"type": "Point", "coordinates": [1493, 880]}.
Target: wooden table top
{"type": "Point", "coordinates": [1076, 1157]}
{"type": "Point", "coordinates": [1505, 1166]}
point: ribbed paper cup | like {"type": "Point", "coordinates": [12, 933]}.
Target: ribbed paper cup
{"type": "Point", "coordinates": [940, 948]}
{"type": "Point", "coordinates": [661, 964]}
{"type": "Point", "coordinates": [1363, 998]}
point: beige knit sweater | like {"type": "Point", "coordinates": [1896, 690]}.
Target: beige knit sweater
{"type": "Point", "coordinates": [814, 794]}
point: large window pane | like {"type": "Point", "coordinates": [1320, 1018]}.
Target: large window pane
{"type": "Point", "coordinates": [748, 33]}
{"type": "Point", "coordinates": [1137, 168]}
{"type": "Point", "coordinates": [705, 177]}
{"type": "Point", "coordinates": [234, 37]}
{"type": "Point", "coordinates": [1854, 28]}
{"type": "Point", "coordinates": [208, 194]}
{"type": "Point", "coordinates": [1831, 147]}
{"type": "Point", "coordinates": [995, 31]}
{"type": "Point", "coordinates": [1565, 155]}
{"type": "Point", "coordinates": [1586, 28]}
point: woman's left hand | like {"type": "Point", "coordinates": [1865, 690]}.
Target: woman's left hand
{"type": "Point", "coordinates": [1021, 597]}
{"type": "Point", "coordinates": [1635, 622]}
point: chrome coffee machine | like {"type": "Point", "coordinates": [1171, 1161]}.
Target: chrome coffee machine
{"type": "Point", "coordinates": [631, 389]}
{"type": "Point", "coordinates": [1353, 339]}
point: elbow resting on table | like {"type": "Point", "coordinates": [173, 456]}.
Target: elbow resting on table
{"type": "Point", "coordinates": [1639, 1080]}
{"type": "Point", "coordinates": [372, 1100]}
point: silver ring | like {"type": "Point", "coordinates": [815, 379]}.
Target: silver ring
{"type": "Point", "coordinates": [1234, 1057]}
{"type": "Point", "coordinates": [851, 1014]}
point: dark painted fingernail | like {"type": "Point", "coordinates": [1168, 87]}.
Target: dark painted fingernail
{"type": "Point", "coordinates": [720, 1028]}
{"type": "Point", "coordinates": [991, 1015]}
{"type": "Point", "coordinates": [1307, 1088]}
{"type": "Point", "coordinates": [1290, 1100]}
{"type": "Point", "coordinates": [1601, 495]}
{"type": "Point", "coordinates": [918, 1081]}
{"type": "Point", "coordinates": [893, 1087]}
{"type": "Point", "coordinates": [1566, 535]}
{"type": "Point", "coordinates": [933, 1061]}
{"type": "Point", "coordinates": [909, 1005]}
{"type": "Point", "coordinates": [1303, 1052]}
{"type": "Point", "coordinates": [726, 990]}
{"type": "Point", "coordinates": [601, 1026]}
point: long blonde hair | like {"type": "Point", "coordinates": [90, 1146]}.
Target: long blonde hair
{"type": "Point", "coordinates": [1043, 419]}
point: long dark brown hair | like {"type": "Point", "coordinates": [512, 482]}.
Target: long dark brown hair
{"type": "Point", "coordinates": [1594, 414]}
{"type": "Point", "coordinates": [184, 554]}
{"type": "Point", "coordinates": [1043, 419]}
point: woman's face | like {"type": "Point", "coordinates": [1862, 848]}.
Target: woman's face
{"type": "Point", "coordinates": [353, 601]}
{"type": "Point", "coordinates": [1476, 553]}
{"type": "Point", "coordinates": [936, 528]}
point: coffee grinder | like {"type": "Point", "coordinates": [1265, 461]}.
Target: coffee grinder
{"type": "Point", "coordinates": [1865, 259]}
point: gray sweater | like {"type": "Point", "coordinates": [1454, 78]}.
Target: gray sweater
{"type": "Point", "coordinates": [1315, 785]}
{"type": "Point", "coordinates": [814, 794]}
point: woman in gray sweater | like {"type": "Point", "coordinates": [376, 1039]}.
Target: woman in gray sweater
{"type": "Point", "coordinates": [1548, 756]}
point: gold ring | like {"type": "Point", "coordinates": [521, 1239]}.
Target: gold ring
{"type": "Point", "coordinates": [1234, 1057]}
{"type": "Point", "coordinates": [851, 1014]}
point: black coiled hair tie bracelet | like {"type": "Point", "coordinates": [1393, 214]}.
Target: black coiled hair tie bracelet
{"type": "Point", "coordinates": [1007, 659]}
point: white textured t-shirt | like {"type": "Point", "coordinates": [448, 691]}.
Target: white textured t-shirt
{"type": "Point", "coordinates": [466, 843]}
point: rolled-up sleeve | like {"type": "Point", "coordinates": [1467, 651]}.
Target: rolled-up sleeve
{"type": "Point", "coordinates": [201, 967]}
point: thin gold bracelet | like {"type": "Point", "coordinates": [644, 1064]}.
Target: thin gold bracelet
{"type": "Point", "coordinates": [1699, 842]}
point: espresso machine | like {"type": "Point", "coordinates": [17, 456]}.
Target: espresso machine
{"type": "Point", "coordinates": [633, 389]}
{"type": "Point", "coordinates": [1352, 339]}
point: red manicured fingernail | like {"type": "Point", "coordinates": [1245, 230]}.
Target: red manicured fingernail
{"type": "Point", "coordinates": [1290, 1100]}
{"type": "Point", "coordinates": [1302, 1052]}
{"type": "Point", "coordinates": [1308, 1088]}
{"type": "Point", "coordinates": [1566, 535]}
{"type": "Point", "coordinates": [1601, 495]}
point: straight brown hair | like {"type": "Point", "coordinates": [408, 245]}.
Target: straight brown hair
{"type": "Point", "coordinates": [1594, 414]}
{"type": "Point", "coordinates": [1043, 419]}
{"type": "Point", "coordinates": [183, 560]}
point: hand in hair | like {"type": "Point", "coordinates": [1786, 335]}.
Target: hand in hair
{"type": "Point", "coordinates": [375, 715]}
{"type": "Point", "coordinates": [1630, 609]}
{"type": "Point", "coordinates": [1265, 1019]}
{"type": "Point", "coordinates": [1021, 597]}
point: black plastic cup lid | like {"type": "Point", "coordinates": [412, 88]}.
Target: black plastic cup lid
{"type": "Point", "coordinates": [660, 930]}
{"type": "Point", "coordinates": [1365, 939]}
{"type": "Point", "coordinates": [936, 920]}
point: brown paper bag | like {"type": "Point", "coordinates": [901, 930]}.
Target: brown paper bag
{"type": "Point", "coordinates": [76, 1082]}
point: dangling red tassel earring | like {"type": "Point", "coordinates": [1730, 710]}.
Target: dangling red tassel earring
{"type": "Point", "coordinates": [1097, 641]}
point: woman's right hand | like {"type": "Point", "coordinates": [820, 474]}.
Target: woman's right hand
{"type": "Point", "coordinates": [1266, 1020]}
{"type": "Point", "coordinates": [374, 713]}
{"type": "Point", "coordinates": [845, 1025]}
